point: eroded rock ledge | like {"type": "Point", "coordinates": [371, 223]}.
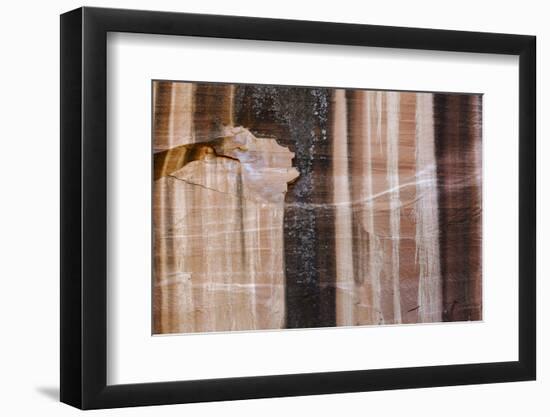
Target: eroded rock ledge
{"type": "Point", "coordinates": [237, 163]}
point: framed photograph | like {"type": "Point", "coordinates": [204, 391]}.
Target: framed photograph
{"type": "Point", "coordinates": [258, 208]}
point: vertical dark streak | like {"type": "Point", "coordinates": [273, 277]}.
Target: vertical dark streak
{"type": "Point", "coordinates": [211, 110]}
{"type": "Point", "coordinates": [466, 172]}
{"type": "Point", "coordinates": [472, 143]}
{"type": "Point", "coordinates": [161, 111]}
{"type": "Point", "coordinates": [354, 122]}
{"type": "Point", "coordinates": [440, 129]}
{"type": "Point", "coordinates": [297, 117]}
{"type": "Point", "coordinates": [325, 215]}
{"type": "Point", "coordinates": [161, 120]}
{"type": "Point", "coordinates": [457, 128]}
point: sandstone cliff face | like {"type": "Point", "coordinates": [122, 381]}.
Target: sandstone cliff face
{"type": "Point", "coordinates": [220, 209]}
{"type": "Point", "coordinates": [285, 207]}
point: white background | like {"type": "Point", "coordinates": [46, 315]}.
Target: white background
{"type": "Point", "coordinates": [134, 356]}
{"type": "Point", "coordinates": [29, 219]}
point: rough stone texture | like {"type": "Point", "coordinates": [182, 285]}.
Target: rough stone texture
{"type": "Point", "coordinates": [221, 213]}
{"type": "Point", "coordinates": [290, 207]}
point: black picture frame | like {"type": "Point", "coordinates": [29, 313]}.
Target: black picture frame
{"type": "Point", "coordinates": [84, 207]}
